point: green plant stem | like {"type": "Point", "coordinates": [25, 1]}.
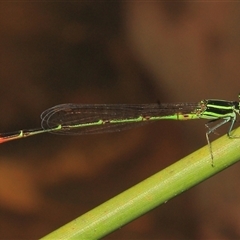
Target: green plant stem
{"type": "Point", "coordinates": [152, 192]}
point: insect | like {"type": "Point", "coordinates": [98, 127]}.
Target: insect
{"type": "Point", "coordinates": [77, 119]}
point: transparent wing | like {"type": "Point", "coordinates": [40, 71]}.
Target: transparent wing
{"type": "Point", "coordinates": [76, 119]}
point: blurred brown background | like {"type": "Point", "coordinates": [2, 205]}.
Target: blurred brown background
{"type": "Point", "coordinates": [100, 52]}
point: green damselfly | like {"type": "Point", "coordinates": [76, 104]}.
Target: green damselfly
{"type": "Point", "coordinates": [77, 119]}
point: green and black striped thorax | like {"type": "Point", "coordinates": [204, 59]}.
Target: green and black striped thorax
{"type": "Point", "coordinates": [214, 108]}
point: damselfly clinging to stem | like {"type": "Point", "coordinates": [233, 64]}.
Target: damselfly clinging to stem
{"type": "Point", "coordinates": [77, 119]}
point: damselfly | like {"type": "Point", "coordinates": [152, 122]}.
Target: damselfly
{"type": "Point", "coordinates": [77, 119]}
